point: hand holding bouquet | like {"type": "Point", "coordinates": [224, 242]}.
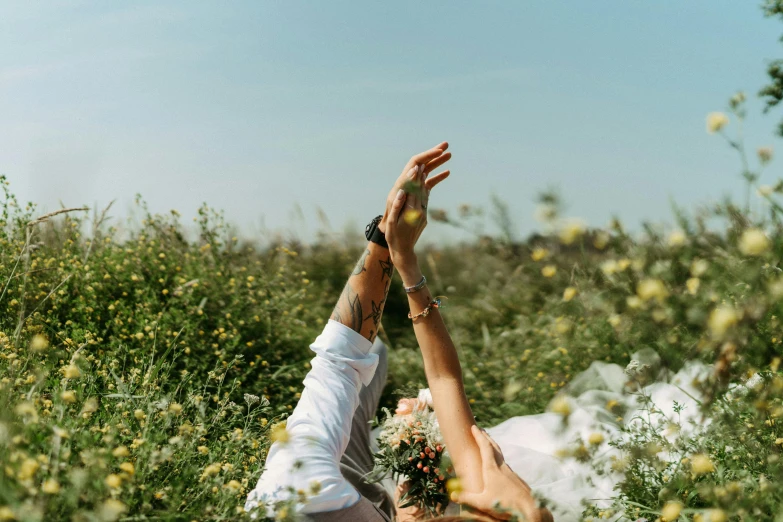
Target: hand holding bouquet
{"type": "Point", "coordinates": [412, 450]}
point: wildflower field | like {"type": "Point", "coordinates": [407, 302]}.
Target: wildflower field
{"type": "Point", "coordinates": [145, 367]}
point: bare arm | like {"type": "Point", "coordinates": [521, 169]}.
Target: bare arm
{"type": "Point", "coordinates": [485, 477]}
{"type": "Point", "coordinates": [444, 377]}
{"type": "Point", "coordinates": [361, 304]}
{"type": "Point", "coordinates": [407, 220]}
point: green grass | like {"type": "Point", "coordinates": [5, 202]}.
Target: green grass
{"type": "Point", "coordinates": [142, 367]}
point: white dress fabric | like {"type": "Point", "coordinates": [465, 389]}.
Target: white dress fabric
{"type": "Point", "coordinates": [530, 443]}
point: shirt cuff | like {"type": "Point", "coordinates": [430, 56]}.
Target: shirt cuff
{"type": "Point", "coordinates": [342, 344]}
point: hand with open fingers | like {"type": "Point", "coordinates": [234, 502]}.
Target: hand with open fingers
{"type": "Point", "coordinates": [502, 487]}
{"type": "Point", "coordinates": [407, 219]}
{"type": "Point", "coordinates": [426, 162]}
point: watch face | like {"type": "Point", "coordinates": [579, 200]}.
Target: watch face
{"type": "Point", "coordinates": [370, 230]}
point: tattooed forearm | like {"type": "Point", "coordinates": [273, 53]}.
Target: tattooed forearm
{"type": "Point", "coordinates": [367, 289]}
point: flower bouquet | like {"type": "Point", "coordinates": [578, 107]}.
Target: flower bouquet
{"type": "Point", "coordinates": [412, 450]}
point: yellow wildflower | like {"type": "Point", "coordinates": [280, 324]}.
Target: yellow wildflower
{"type": "Point", "coordinates": [595, 438]}
{"type": "Point", "coordinates": [50, 487]}
{"type": "Point", "coordinates": [454, 485]}
{"type": "Point", "coordinates": [560, 406]}
{"type": "Point", "coordinates": [601, 240]}
{"type": "Point", "coordinates": [113, 481]}
{"type": "Point", "coordinates": [68, 396]}
{"type": "Point", "coordinates": [571, 232]}
{"type": "Point", "coordinates": [677, 238]}
{"type": "Point", "coordinates": [717, 515]}
{"type": "Point", "coordinates": [212, 469]}
{"type": "Point", "coordinates": [539, 254]}
{"type": "Point", "coordinates": [699, 267]}
{"type": "Point", "coordinates": [412, 216]}
{"type": "Point", "coordinates": [72, 372]}
{"type": "Point", "coordinates": [120, 451]}
{"type": "Point", "coordinates": [753, 242]}
{"type": "Point", "coordinates": [765, 190]}
{"type": "Point", "coordinates": [721, 320]}
{"type": "Point", "coordinates": [28, 469]}
{"type": "Point", "coordinates": [765, 154]}
{"type": "Point", "coordinates": [90, 405]}
{"type": "Point", "coordinates": [549, 271]}
{"type": "Point", "coordinates": [278, 433]}
{"type": "Point", "coordinates": [716, 121]}
{"type": "Point", "coordinates": [671, 511]}
{"type": "Point", "coordinates": [112, 509]}
{"type": "Point", "coordinates": [128, 468]}
{"type": "Point", "coordinates": [648, 289]}
{"type": "Point", "coordinates": [39, 343]}
{"type": "Point", "coordinates": [569, 293]}
{"type": "Point", "coordinates": [693, 285]}
{"type": "Point", "coordinates": [701, 465]}
{"type": "Point", "coordinates": [609, 267]}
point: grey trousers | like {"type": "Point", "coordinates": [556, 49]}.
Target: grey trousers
{"type": "Point", "coordinates": [376, 505]}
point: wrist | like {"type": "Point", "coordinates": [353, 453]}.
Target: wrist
{"type": "Point", "coordinates": [408, 267]}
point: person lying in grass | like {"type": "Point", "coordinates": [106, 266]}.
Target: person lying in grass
{"type": "Point", "coordinates": [316, 469]}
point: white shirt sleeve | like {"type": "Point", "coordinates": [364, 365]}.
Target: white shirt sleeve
{"type": "Point", "coordinates": [319, 428]}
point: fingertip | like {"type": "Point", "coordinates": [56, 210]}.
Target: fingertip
{"type": "Point", "coordinates": [400, 195]}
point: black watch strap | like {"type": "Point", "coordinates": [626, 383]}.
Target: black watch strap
{"type": "Point", "coordinates": [374, 234]}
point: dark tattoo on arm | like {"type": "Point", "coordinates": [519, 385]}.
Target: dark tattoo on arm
{"type": "Point", "coordinates": [364, 289]}
{"type": "Point", "coordinates": [387, 268]}
{"type": "Point", "coordinates": [349, 306]}
{"type": "Point", "coordinates": [377, 311]}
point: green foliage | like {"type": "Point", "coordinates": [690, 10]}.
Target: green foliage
{"type": "Point", "coordinates": [773, 92]}
{"type": "Point", "coordinates": [141, 367]}
{"type": "Point", "coordinates": [124, 365]}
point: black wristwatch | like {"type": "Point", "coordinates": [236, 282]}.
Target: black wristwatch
{"type": "Point", "coordinates": [374, 234]}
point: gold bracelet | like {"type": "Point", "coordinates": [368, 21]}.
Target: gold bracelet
{"type": "Point", "coordinates": [435, 303]}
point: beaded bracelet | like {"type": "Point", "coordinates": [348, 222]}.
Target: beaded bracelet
{"type": "Point", "coordinates": [435, 303]}
{"type": "Point", "coordinates": [415, 288]}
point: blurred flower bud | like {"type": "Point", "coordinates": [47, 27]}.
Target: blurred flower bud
{"type": "Point", "coordinates": [716, 121]}
{"type": "Point", "coordinates": [765, 155]}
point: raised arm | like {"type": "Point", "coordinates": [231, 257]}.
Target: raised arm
{"type": "Point", "coordinates": [319, 428]}
{"type": "Point", "coordinates": [361, 304]}
{"type": "Point", "coordinates": [441, 363]}
{"type": "Point", "coordinates": [479, 464]}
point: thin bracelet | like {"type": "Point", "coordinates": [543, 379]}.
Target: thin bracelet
{"type": "Point", "coordinates": [415, 288]}
{"type": "Point", "coordinates": [435, 303]}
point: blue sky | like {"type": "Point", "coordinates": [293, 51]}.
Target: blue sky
{"type": "Point", "coordinates": [259, 106]}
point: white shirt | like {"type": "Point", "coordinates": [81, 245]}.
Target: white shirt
{"type": "Point", "coordinates": [319, 427]}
